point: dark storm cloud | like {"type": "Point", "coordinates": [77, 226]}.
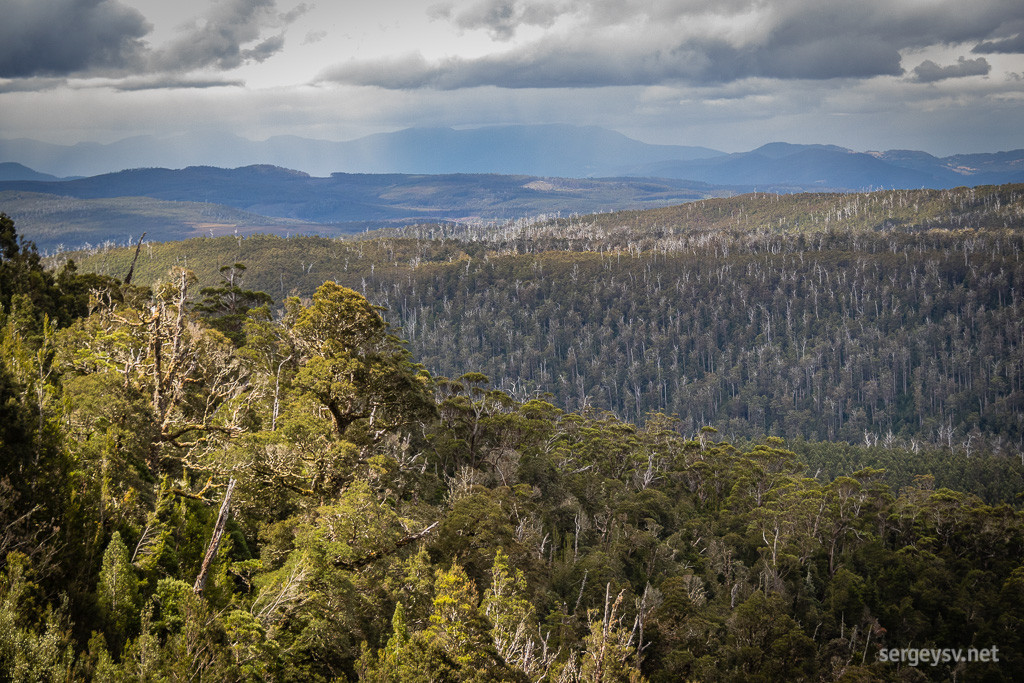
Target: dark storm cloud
{"type": "Point", "coordinates": [814, 58]}
{"type": "Point", "coordinates": [930, 72]}
{"type": "Point", "coordinates": [1009, 39]}
{"type": "Point", "coordinates": [648, 42]}
{"type": "Point", "coordinates": [540, 69]}
{"type": "Point", "coordinates": [220, 39]}
{"type": "Point", "coordinates": [1011, 45]}
{"type": "Point", "coordinates": [40, 38]}
{"type": "Point", "coordinates": [64, 37]}
{"type": "Point", "coordinates": [553, 66]}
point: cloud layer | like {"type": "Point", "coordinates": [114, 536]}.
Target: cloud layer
{"type": "Point", "coordinates": [942, 75]}
{"type": "Point", "coordinates": [634, 42]}
{"type": "Point", "coordinates": [65, 38]}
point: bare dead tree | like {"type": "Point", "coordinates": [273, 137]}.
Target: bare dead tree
{"type": "Point", "coordinates": [218, 532]}
{"type": "Point", "coordinates": [131, 271]}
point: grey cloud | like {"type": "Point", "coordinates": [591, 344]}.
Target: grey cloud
{"type": "Point", "coordinates": [930, 72]}
{"type": "Point", "coordinates": [220, 40]}
{"type": "Point", "coordinates": [298, 11]}
{"type": "Point", "coordinates": [264, 50]}
{"type": "Point", "coordinates": [172, 82]}
{"type": "Point", "coordinates": [897, 23]}
{"type": "Point", "coordinates": [407, 72]}
{"type": "Point", "coordinates": [815, 58]}
{"type": "Point", "coordinates": [902, 23]}
{"type": "Point", "coordinates": [501, 18]}
{"type": "Point", "coordinates": [1009, 39]}
{"type": "Point", "coordinates": [1011, 45]}
{"type": "Point", "coordinates": [31, 84]}
{"type": "Point", "coordinates": [520, 70]}
{"type": "Point", "coordinates": [649, 42]}
{"type": "Point", "coordinates": [105, 38]}
{"type": "Point", "coordinates": [558, 65]}
{"type": "Point", "coordinates": [65, 37]}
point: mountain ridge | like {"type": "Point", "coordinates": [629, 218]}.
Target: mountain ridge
{"type": "Point", "coordinates": [562, 150]}
{"type": "Point", "coordinates": [11, 170]}
{"type": "Point", "coordinates": [52, 213]}
{"type": "Point", "coordinates": [555, 150]}
{"type": "Point", "coordinates": [810, 167]}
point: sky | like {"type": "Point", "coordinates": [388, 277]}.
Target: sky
{"type": "Point", "coordinates": [941, 76]}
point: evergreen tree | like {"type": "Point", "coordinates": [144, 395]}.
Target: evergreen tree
{"type": "Point", "coordinates": [117, 592]}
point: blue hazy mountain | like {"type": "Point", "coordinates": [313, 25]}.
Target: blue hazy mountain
{"type": "Point", "coordinates": [10, 170]}
{"type": "Point", "coordinates": [809, 167]}
{"type": "Point", "coordinates": [542, 150]}
{"type": "Point", "coordinates": [962, 169]}
{"type": "Point", "coordinates": [552, 150]}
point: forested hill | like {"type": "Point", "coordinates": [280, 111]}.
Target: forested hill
{"type": "Point", "coordinates": [890, 317]}
{"type": "Point", "coordinates": [194, 489]}
{"type": "Point", "coordinates": [176, 204]}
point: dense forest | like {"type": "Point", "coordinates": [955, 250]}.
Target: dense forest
{"type": "Point", "coordinates": [201, 482]}
{"type": "Point", "coordinates": [889, 317]}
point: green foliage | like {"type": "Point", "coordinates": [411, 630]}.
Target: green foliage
{"type": "Point", "coordinates": [609, 649]}
{"type": "Point", "coordinates": [226, 307]}
{"type": "Point", "coordinates": [387, 526]}
{"type": "Point", "coordinates": [28, 291]}
{"type": "Point", "coordinates": [33, 647]}
{"type": "Point", "coordinates": [881, 318]}
{"type": "Point", "coordinates": [353, 366]}
{"type": "Point", "coordinates": [117, 593]}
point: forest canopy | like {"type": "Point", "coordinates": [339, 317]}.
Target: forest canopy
{"type": "Point", "coordinates": [200, 482]}
{"type": "Point", "coordinates": [891, 316]}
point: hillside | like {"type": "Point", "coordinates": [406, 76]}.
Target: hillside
{"type": "Point", "coordinates": [55, 222]}
{"type": "Point", "coordinates": [194, 490]}
{"type": "Point", "coordinates": [884, 316]}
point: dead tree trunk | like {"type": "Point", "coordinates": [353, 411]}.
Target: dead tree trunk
{"type": "Point", "coordinates": [218, 531]}
{"type": "Point", "coordinates": [128, 277]}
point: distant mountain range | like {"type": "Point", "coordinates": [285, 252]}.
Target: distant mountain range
{"type": "Point", "coordinates": [809, 167]}
{"type": "Point", "coordinates": [483, 175]}
{"type": "Point", "coordinates": [174, 204]}
{"type": "Point", "coordinates": [544, 150]}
